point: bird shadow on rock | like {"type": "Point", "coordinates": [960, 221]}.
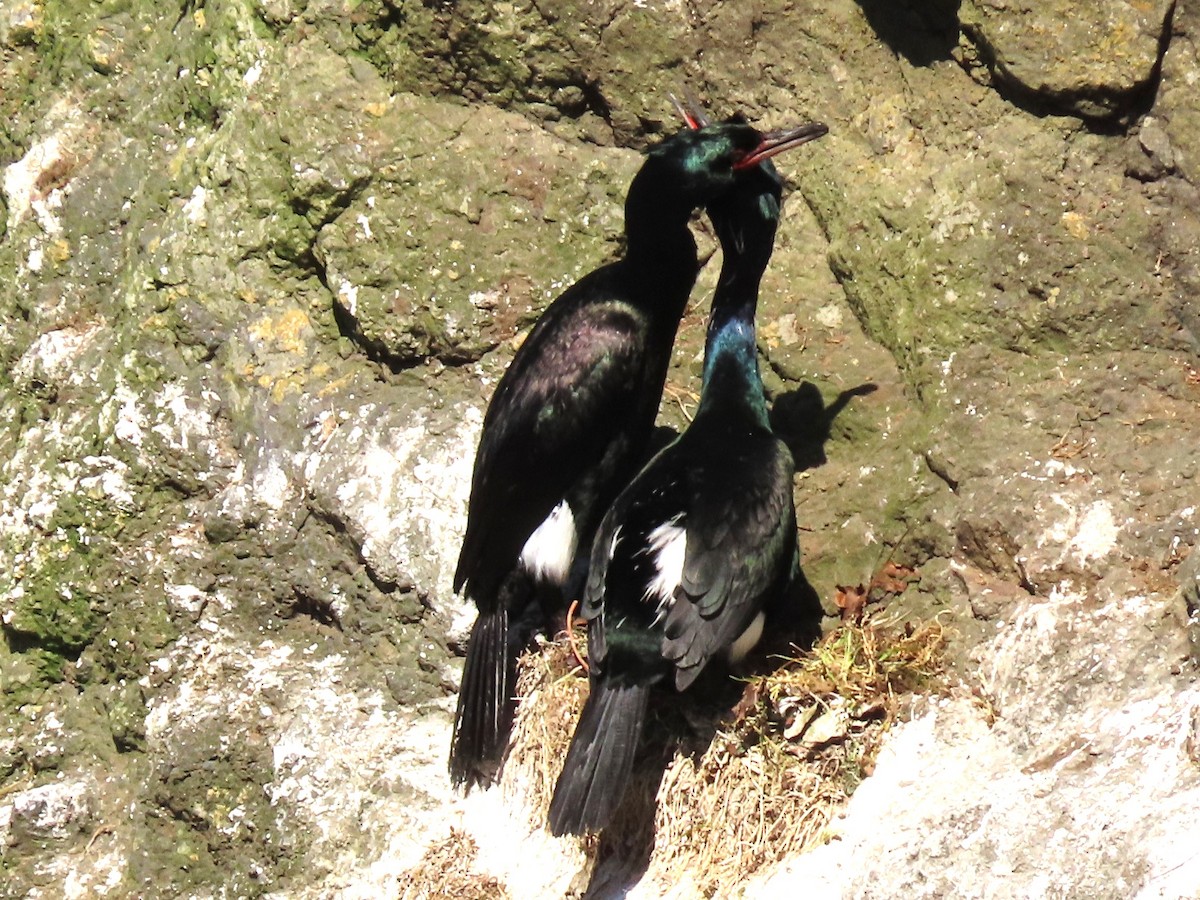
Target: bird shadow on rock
{"type": "Point", "coordinates": [923, 32]}
{"type": "Point", "coordinates": [803, 421]}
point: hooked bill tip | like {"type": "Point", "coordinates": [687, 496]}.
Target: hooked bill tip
{"type": "Point", "coordinates": [776, 142]}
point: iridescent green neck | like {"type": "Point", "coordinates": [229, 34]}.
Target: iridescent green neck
{"type": "Point", "coordinates": [731, 373]}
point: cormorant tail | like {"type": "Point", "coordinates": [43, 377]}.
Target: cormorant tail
{"type": "Point", "coordinates": [600, 759]}
{"type": "Point", "coordinates": [485, 706]}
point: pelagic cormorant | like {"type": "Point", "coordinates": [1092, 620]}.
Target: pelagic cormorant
{"type": "Point", "coordinates": [571, 417]}
{"type": "Point", "coordinates": [698, 543]}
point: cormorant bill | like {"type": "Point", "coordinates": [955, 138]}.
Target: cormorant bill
{"type": "Point", "coordinates": [700, 541]}
{"type": "Point", "coordinates": [569, 422]}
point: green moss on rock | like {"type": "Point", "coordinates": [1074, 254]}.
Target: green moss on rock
{"type": "Point", "coordinates": [53, 613]}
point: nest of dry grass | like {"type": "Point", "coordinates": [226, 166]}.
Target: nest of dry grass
{"type": "Point", "coordinates": [446, 872]}
{"type": "Point", "coordinates": [552, 687]}
{"type": "Point", "coordinates": [776, 771]}
{"type": "Point", "coordinates": [799, 743]}
{"type": "Point", "coordinates": [742, 791]}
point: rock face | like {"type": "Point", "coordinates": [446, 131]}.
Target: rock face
{"type": "Point", "coordinates": [264, 262]}
{"type": "Point", "coordinates": [1098, 63]}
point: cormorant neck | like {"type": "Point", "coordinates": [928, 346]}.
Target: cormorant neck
{"type": "Point", "coordinates": [656, 223]}
{"type": "Point", "coordinates": [731, 348]}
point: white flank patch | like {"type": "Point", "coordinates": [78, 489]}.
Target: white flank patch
{"type": "Point", "coordinates": [668, 543]}
{"type": "Point", "coordinates": [549, 551]}
{"type": "Point", "coordinates": [748, 640]}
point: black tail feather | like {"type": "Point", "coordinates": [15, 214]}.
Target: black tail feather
{"type": "Point", "coordinates": [600, 759]}
{"type": "Point", "coordinates": [485, 705]}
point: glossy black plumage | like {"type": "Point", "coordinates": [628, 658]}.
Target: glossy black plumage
{"type": "Point", "coordinates": [699, 542]}
{"type": "Point", "coordinates": [570, 419]}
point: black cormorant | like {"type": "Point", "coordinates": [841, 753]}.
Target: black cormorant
{"type": "Point", "coordinates": [569, 422]}
{"type": "Point", "coordinates": [698, 543]}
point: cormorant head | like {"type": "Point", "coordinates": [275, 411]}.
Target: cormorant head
{"type": "Point", "coordinates": [705, 160]}
{"type": "Point", "coordinates": [745, 217]}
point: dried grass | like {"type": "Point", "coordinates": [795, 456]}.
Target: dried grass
{"type": "Point", "coordinates": [552, 689]}
{"type": "Point", "coordinates": [756, 797]}
{"type": "Point", "coordinates": [445, 872]}
{"type": "Point", "coordinates": [865, 664]}
{"type": "Point", "coordinates": [764, 789]}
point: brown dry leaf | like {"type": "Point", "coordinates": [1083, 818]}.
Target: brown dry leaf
{"type": "Point", "coordinates": [893, 578]}
{"type": "Point", "coordinates": [749, 702]}
{"type": "Point", "coordinates": [800, 721]}
{"type": "Point", "coordinates": [830, 725]}
{"type": "Point", "coordinates": [851, 601]}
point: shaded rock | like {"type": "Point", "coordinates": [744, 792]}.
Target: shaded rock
{"type": "Point", "coordinates": [595, 71]}
{"type": "Point", "coordinates": [1156, 157]}
{"type": "Point", "coordinates": [1096, 63]}
{"type": "Point", "coordinates": [1180, 68]}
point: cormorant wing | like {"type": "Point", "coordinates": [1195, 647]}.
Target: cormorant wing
{"type": "Point", "coordinates": [569, 389]}
{"type": "Point", "coordinates": [740, 543]}
{"type": "Point", "coordinates": [624, 565]}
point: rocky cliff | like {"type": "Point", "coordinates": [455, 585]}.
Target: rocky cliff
{"type": "Point", "coordinates": [262, 263]}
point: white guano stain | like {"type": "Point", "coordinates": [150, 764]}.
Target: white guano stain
{"type": "Point", "coordinates": [27, 183]}
{"type": "Point", "coordinates": [1097, 534]}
